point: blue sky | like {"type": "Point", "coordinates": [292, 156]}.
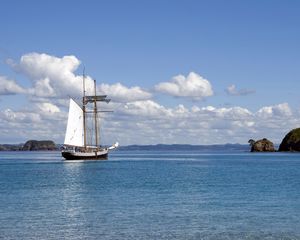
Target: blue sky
{"type": "Point", "coordinates": [253, 45]}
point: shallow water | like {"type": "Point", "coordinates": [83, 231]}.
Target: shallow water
{"type": "Point", "coordinates": [150, 195]}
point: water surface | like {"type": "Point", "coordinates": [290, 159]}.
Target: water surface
{"type": "Point", "coordinates": [150, 195]}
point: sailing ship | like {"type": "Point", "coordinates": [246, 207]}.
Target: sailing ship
{"type": "Point", "coordinates": [76, 144]}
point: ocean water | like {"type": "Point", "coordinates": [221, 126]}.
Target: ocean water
{"type": "Point", "coordinates": [150, 195]}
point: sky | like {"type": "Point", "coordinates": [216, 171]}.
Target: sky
{"type": "Point", "coordinates": [185, 72]}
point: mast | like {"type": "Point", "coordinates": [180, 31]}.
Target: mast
{"type": "Point", "coordinates": [95, 115]}
{"type": "Point", "coordinates": [92, 99]}
{"type": "Point", "coordinates": [83, 109]}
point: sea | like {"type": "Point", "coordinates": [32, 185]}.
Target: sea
{"type": "Point", "coordinates": [150, 195]}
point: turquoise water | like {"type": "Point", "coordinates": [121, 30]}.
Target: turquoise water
{"type": "Point", "coordinates": [150, 195]}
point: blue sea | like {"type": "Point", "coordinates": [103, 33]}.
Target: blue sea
{"type": "Point", "coordinates": [150, 195]}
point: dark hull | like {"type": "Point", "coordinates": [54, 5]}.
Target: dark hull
{"type": "Point", "coordinates": [92, 156]}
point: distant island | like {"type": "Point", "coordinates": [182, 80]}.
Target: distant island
{"type": "Point", "coordinates": [31, 145]}
{"type": "Point", "coordinates": [181, 147]}
{"type": "Point", "coordinates": [47, 145]}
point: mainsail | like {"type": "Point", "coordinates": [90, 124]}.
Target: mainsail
{"type": "Point", "coordinates": [74, 134]}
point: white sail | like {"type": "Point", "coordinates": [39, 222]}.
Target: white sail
{"type": "Point", "coordinates": [74, 133]}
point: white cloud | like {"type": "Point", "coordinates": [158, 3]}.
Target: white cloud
{"type": "Point", "coordinates": [148, 122]}
{"type": "Point", "coordinates": [55, 77]}
{"type": "Point", "coordinates": [233, 113]}
{"type": "Point", "coordinates": [22, 125]}
{"type": "Point", "coordinates": [146, 108]}
{"type": "Point", "coordinates": [120, 93]}
{"type": "Point", "coordinates": [232, 91]}
{"type": "Point", "coordinates": [51, 76]}
{"type": "Point", "coordinates": [9, 87]}
{"type": "Point", "coordinates": [280, 110]}
{"type": "Point", "coordinates": [47, 108]}
{"type": "Point", "coordinates": [193, 86]}
{"type": "Point", "coordinates": [20, 117]}
{"type": "Point", "coordinates": [137, 119]}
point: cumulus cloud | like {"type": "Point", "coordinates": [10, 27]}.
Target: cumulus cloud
{"type": "Point", "coordinates": [193, 86]}
{"type": "Point", "coordinates": [138, 119]}
{"type": "Point", "coordinates": [148, 122]}
{"type": "Point", "coordinates": [120, 93]}
{"type": "Point", "coordinates": [9, 87]}
{"type": "Point", "coordinates": [280, 110]}
{"type": "Point", "coordinates": [228, 113]}
{"type": "Point", "coordinates": [232, 91]}
{"type": "Point", "coordinates": [146, 108]}
{"type": "Point", "coordinates": [51, 76]}
{"type": "Point", "coordinates": [47, 108]}
{"type": "Point", "coordinates": [34, 123]}
{"type": "Point", "coordinates": [20, 117]}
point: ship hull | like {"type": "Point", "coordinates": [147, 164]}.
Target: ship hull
{"type": "Point", "coordinates": [96, 155]}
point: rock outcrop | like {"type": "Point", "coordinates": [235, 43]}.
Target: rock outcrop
{"type": "Point", "coordinates": [262, 145]}
{"type": "Point", "coordinates": [34, 145]}
{"type": "Point", "coordinates": [291, 141]}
